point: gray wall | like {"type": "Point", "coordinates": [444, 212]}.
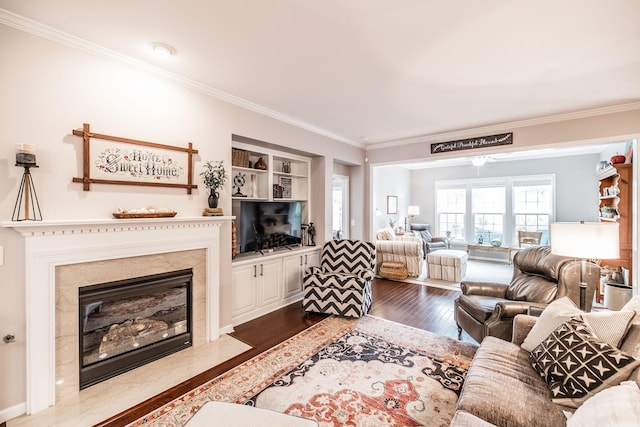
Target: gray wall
{"type": "Point", "coordinates": [576, 185]}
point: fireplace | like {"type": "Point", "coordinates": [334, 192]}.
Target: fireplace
{"type": "Point", "coordinates": [88, 252]}
{"type": "Point", "coordinates": [128, 323]}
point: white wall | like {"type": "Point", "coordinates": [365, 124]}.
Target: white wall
{"type": "Point", "coordinates": [47, 91]}
{"type": "Point", "coordinates": [391, 181]}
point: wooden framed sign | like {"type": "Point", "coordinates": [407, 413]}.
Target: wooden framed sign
{"type": "Point", "coordinates": [111, 159]}
{"type": "Point", "coordinates": [471, 143]}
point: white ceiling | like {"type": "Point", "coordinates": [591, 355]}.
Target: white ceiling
{"type": "Point", "coordinates": [370, 71]}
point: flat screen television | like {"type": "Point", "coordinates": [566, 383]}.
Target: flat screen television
{"type": "Point", "coordinates": [269, 225]}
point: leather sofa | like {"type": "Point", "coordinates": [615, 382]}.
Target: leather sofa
{"type": "Point", "coordinates": [502, 389]}
{"type": "Point", "coordinates": [429, 243]}
{"type": "Point", "coordinates": [539, 277]}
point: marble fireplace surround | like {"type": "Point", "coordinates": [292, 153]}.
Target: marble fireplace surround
{"type": "Point", "coordinates": [88, 249]}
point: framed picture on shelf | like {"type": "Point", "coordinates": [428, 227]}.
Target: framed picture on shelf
{"type": "Point", "coordinates": [392, 204]}
{"type": "Point", "coordinates": [285, 183]}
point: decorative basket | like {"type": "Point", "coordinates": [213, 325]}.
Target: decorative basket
{"type": "Point", "coordinates": [239, 158]}
{"type": "Point", "coordinates": [393, 270]}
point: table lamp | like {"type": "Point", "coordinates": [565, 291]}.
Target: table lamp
{"type": "Point", "coordinates": [27, 206]}
{"type": "Point", "coordinates": [585, 240]}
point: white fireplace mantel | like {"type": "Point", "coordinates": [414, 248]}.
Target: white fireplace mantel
{"type": "Point", "coordinates": [49, 244]}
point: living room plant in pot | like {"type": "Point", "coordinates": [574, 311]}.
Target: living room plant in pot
{"type": "Point", "coordinates": [214, 177]}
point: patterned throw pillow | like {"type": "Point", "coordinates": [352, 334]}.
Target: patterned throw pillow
{"type": "Point", "coordinates": [576, 365]}
{"type": "Point", "coordinates": [608, 326]}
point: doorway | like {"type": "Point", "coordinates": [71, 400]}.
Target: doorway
{"type": "Point", "coordinates": [340, 207]}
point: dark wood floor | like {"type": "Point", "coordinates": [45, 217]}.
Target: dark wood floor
{"type": "Point", "coordinates": [415, 305]}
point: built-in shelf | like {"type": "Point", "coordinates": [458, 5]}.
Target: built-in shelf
{"type": "Point", "coordinates": [286, 172]}
{"type": "Point", "coordinates": [615, 187]}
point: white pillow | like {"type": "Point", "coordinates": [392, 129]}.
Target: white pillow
{"type": "Point", "coordinates": [554, 315]}
{"type": "Point", "coordinates": [608, 326]}
{"type": "Point", "coordinates": [634, 305]}
{"type": "Point", "coordinates": [617, 406]}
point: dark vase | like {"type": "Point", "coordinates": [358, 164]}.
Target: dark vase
{"type": "Point", "coordinates": [213, 199]}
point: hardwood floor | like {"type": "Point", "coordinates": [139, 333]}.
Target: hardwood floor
{"type": "Point", "coordinates": [414, 305]}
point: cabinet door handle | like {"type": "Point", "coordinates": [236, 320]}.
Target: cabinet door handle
{"type": "Point", "coordinates": [261, 269]}
{"type": "Point", "coordinates": [255, 271]}
{"type": "Point", "coordinates": [300, 260]}
{"type": "Point", "coordinates": [306, 261]}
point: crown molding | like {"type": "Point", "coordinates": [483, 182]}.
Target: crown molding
{"type": "Point", "coordinates": [49, 33]}
{"type": "Point", "coordinates": [488, 130]}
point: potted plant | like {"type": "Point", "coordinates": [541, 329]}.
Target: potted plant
{"type": "Point", "coordinates": [392, 223]}
{"type": "Point", "coordinates": [214, 177]}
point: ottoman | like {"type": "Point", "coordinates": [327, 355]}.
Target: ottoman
{"type": "Point", "coordinates": [447, 264]}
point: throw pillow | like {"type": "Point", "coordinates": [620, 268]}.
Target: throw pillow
{"type": "Point", "coordinates": [556, 313]}
{"type": "Point", "coordinates": [634, 305]}
{"type": "Point", "coordinates": [576, 364]}
{"type": "Point", "coordinates": [385, 234]}
{"type": "Point", "coordinates": [608, 326]}
{"type": "Point", "coordinates": [617, 406]}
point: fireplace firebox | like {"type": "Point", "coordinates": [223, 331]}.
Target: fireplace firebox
{"type": "Point", "coordinates": [128, 323]}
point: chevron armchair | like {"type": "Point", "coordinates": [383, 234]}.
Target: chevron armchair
{"type": "Point", "coordinates": [341, 285]}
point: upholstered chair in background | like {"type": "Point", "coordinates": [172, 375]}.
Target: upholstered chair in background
{"type": "Point", "coordinates": [341, 285]}
{"type": "Point", "coordinates": [539, 277]}
{"type": "Point", "coordinates": [430, 243]}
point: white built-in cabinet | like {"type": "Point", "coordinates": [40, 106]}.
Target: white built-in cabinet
{"type": "Point", "coordinates": [264, 283]}
{"type": "Point", "coordinates": [256, 285]}
{"type": "Point", "coordinates": [294, 266]}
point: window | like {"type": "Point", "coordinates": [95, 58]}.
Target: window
{"type": "Point", "coordinates": [488, 207]}
{"type": "Point", "coordinates": [340, 207]}
{"type": "Point", "coordinates": [532, 208]}
{"type": "Point", "coordinates": [451, 205]}
{"type": "Point", "coordinates": [477, 210]}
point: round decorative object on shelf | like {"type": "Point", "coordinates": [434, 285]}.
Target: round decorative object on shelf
{"type": "Point", "coordinates": [238, 182]}
{"type": "Point", "coordinates": [496, 243]}
{"type": "Point", "coordinates": [602, 164]}
{"type": "Point", "coordinates": [260, 164]}
{"type": "Point", "coordinates": [618, 159]}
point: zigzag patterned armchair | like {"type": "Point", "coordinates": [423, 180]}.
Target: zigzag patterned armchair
{"type": "Point", "coordinates": [341, 285]}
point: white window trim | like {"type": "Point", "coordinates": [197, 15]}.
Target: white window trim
{"type": "Point", "coordinates": [508, 182]}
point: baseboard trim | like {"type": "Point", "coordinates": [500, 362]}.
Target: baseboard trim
{"type": "Point", "coordinates": [226, 329]}
{"type": "Point", "coordinates": [13, 412]}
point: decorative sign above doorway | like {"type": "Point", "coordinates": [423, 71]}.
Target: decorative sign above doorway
{"type": "Point", "coordinates": [471, 143]}
{"type": "Point", "coordinates": [114, 160]}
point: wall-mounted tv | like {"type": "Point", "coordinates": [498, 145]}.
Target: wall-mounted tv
{"type": "Point", "coordinates": [268, 225]}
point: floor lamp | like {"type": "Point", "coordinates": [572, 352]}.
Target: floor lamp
{"type": "Point", "coordinates": [585, 240]}
{"type": "Point", "coordinates": [412, 211]}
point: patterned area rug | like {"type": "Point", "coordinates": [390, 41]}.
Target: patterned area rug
{"type": "Point", "coordinates": [362, 372]}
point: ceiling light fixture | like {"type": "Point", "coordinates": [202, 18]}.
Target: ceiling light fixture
{"type": "Point", "coordinates": [479, 161]}
{"type": "Point", "coordinates": [162, 49]}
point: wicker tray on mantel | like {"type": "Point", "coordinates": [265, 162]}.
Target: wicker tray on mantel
{"type": "Point", "coordinates": [126, 215]}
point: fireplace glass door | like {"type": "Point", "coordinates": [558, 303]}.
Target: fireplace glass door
{"type": "Point", "coordinates": [128, 323]}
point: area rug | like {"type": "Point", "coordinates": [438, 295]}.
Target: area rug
{"type": "Point", "coordinates": [477, 271]}
{"type": "Point", "coordinates": [356, 372]}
